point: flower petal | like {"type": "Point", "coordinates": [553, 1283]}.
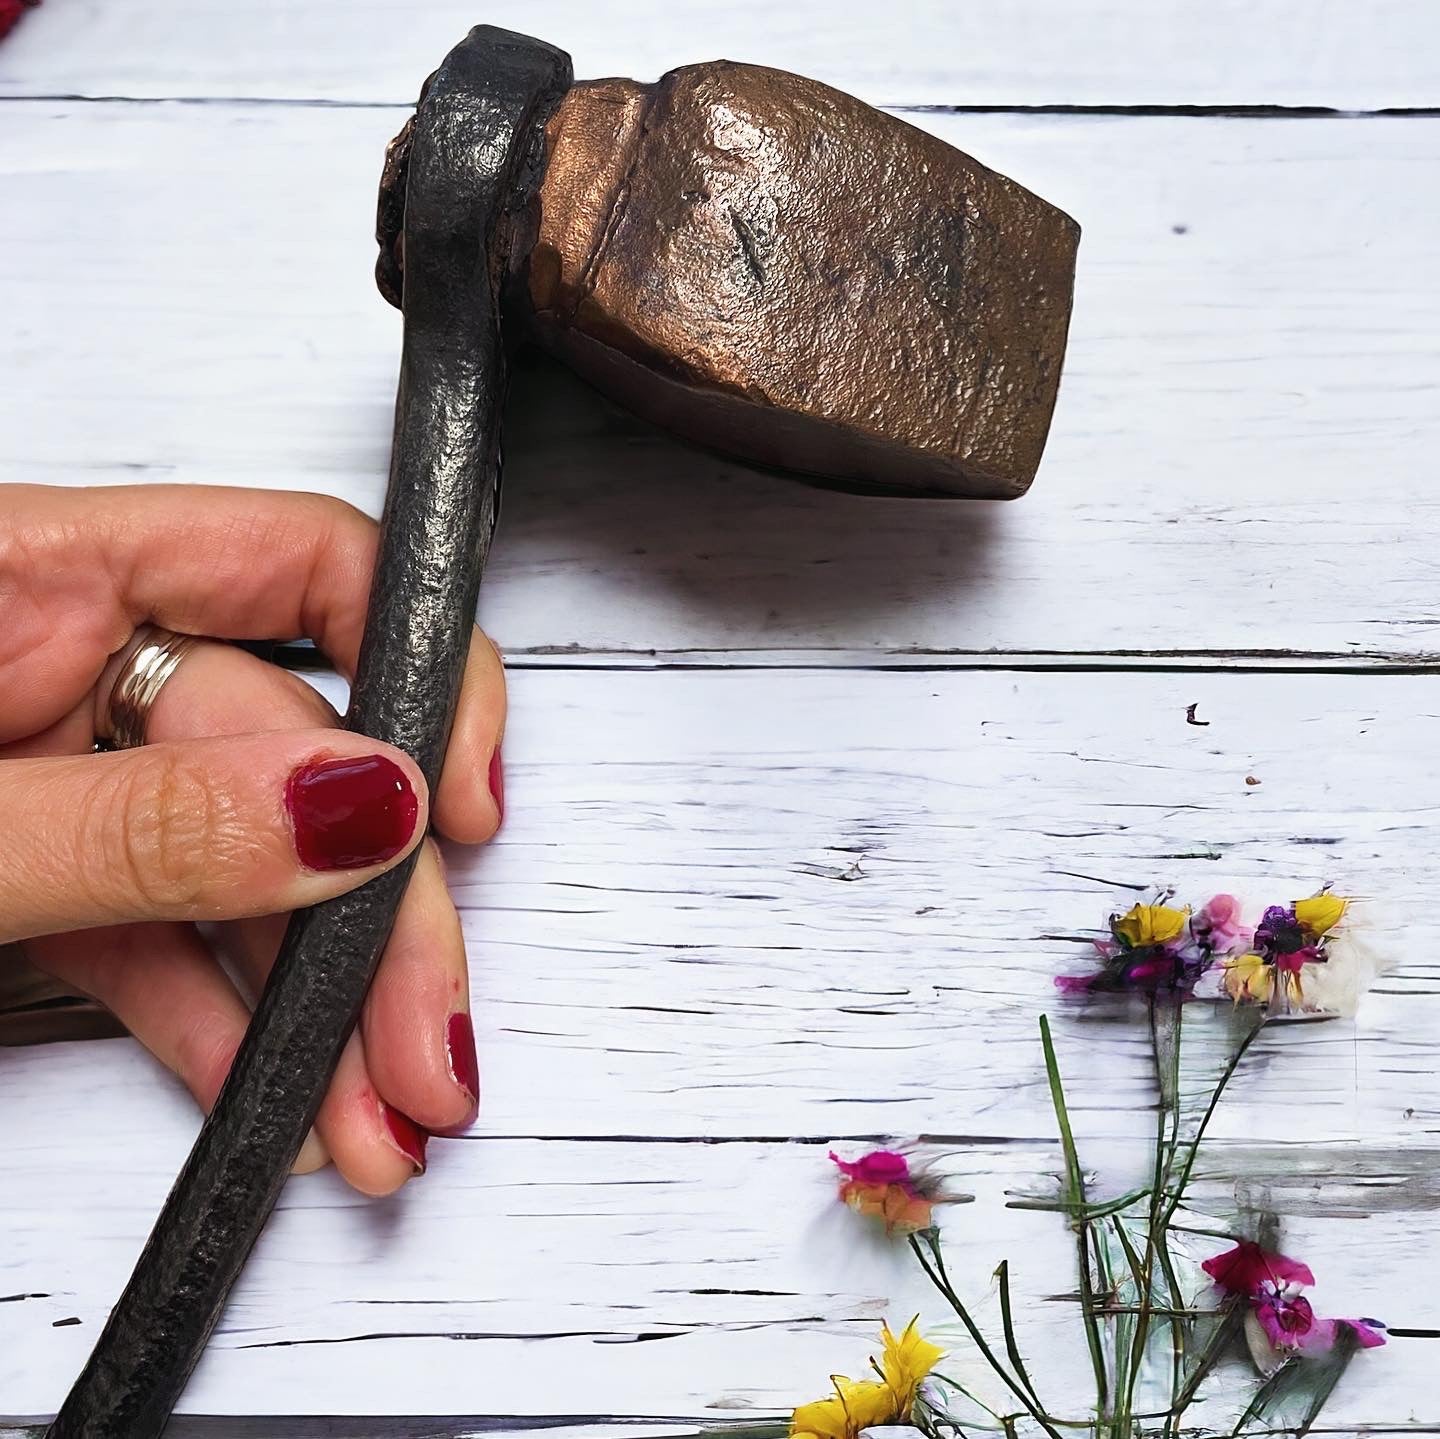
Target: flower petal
{"type": "Point", "coordinates": [1147, 924]}
{"type": "Point", "coordinates": [855, 1405]}
{"type": "Point", "coordinates": [1320, 913]}
{"type": "Point", "coordinates": [1321, 1339]}
{"type": "Point", "coordinates": [906, 1361]}
{"type": "Point", "coordinates": [1265, 1356]}
{"type": "Point", "coordinates": [879, 1166]}
{"type": "Point", "coordinates": [1248, 1269]}
{"type": "Point", "coordinates": [1248, 976]}
{"type": "Point", "coordinates": [1286, 1322]}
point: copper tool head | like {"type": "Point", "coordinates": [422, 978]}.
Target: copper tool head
{"type": "Point", "coordinates": [775, 269]}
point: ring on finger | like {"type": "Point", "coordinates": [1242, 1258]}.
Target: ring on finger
{"type": "Point", "coordinates": [149, 660]}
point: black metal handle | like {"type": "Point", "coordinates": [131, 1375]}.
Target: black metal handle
{"type": "Point", "coordinates": [476, 160]}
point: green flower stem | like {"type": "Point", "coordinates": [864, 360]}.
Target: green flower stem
{"type": "Point", "coordinates": [1181, 1319]}
{"type": "Point", "coordinates": [1193, 1145]}
{"type": "Point", "coordinates": [1012, 1346]}
{"type": "Point", "coordinates": [1165, 1036]}
{"type": "Point", "coordinates": [1102, 1210]}
{"type": "Point", "coordinates": [1231, 1320]}
{"type": "Point", "coordinates": [1261, 1398]}
{"type": "Point", "coordinates": [941, 1280]}
{"type": "Point", "coordinates": [1075, 1182]}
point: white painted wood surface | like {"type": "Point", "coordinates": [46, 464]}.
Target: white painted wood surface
{"type": "Point", "coordinates": [792, 894]}
{"type": "Point", "coordinates": [1243, 402]}
{"type": "Point", "coordinates": [938, 52]}
{"type": "Point", "coordinates": [682, 999]}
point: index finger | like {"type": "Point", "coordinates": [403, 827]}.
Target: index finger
{"type": "Point", "coordinates": [92, 565]}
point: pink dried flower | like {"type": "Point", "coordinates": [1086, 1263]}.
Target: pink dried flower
{"type": "Point", "coordinates": [880, 1185]}
{"type": "Point", "coordinates": [880, 1166]}
{"type": "Point", "coordinates": [1220, 926]}
{"type": "Point", "coordinates": [1369, 1333]}
{"type": "Point", "coordinates": [1286, 1322]}
{"type": "Point", "coordinates": [1255, 1272]}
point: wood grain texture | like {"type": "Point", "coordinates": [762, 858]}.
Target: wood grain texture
{"type": "Point", "coordinates": [1023, 52]}
{"type": "Point", "coordinates": [1242, 458]}
{"type": "Point", "coordinates": [734, 917]}
{"type": "Point", "coordinates": [783, 897]}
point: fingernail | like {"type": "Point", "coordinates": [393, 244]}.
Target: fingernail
{"type": "Point", "coordinates": [497, 781]}
{"type": "Point", "coordinates": [406, 1136]}
{"type": "Point", "coordinates": [349, 813]}
{"type": "Point", "coordinates": [460, 1051]}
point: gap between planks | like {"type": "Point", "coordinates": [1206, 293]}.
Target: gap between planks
{"type": "Point", "coordinates": [1185, 112]}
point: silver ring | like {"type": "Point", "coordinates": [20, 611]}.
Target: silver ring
{"type": "Point", "coordinates": [153, 656]}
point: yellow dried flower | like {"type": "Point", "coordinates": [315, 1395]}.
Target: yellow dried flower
{"type": "Point", "coordinates": [906, 1362]}
{"type": "Point", "coordinates": [1319, 914]}
{"type": "Point", "coordinates": [856, 1404]}
{"type": "Point", "coordinates": [862, 1403]}
{"type": "Point", "coordinates": [1249, 976]}
{"type": "Point", "coordinates": [1149, 924]}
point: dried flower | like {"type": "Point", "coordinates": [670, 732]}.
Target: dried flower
{"type": "Point", "coordinates": [1286, 1321]}
{"type": "Point", "coordinates": [1274, 1331]}
{"type": "Point", "coordinates": [864, 1403]}
{"type": "Point", "coordinates": [1252, 1271]}
{"type": "Point", "coordinates": [1151, 951]}
{"type": "Point", "coordinates": [1219, 926]}
{"type": "Point", "coordinates": [881, 1185]}
{"type": "Point", "coordinates": [1287, 939]}
{"type": "Point", "coordinates": [856, 1404]}
{"type": "Point", "coordinates": [1280, 1321]}
{"type": "Point", "coordinates": [1146, 925]}
{"type": "Point", "coordinates": [1319, 914]}
{"type": "Point", "coordinates": [906, 1361]}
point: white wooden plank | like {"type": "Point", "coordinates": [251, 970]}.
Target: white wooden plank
{"type": "Point", "coordinates": [1026, 52]}
{"type": "Point", "coordinates": [1242, 458]}
{"type": "Point", "coordinates": [664, 942]}
{"type": "Point", "coordinates": [701, 1282]}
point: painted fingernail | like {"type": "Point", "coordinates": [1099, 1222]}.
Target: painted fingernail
{"type": "Point", "coordinates": [349, 813]}
{"type": "Point", "coordinates": [406, 1136]}
{"type": "Point", "coordinates": [497, 781]}
{"type": "Point", "coordinates": [460, 1051]}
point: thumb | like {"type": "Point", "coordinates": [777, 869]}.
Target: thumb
{"type": "Point", "coordinates": [202, 830]}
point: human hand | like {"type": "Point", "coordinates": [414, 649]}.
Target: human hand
{"type": "Point", "coordinates": [236, 809]}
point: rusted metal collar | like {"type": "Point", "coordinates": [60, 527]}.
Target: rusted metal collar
{"type": "Point", "coordinates": [474, 167]}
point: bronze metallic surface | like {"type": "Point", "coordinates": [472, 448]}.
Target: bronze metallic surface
{"type": "Point", "coordinates": [778, 270]}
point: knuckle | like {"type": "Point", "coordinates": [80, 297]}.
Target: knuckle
{"type": "Point", "coordinates": [169, 828]}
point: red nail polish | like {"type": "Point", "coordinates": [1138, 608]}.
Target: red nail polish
{"type": "Point", "coordinates": [348, 813]}
{"type": "Point", "coordinates": [406, 1136]}
{"type": "Point", "coordinates": [497, 781]}
{"type": "Point", "coordinates": [460, 1051]}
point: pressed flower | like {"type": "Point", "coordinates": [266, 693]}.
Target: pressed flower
{"type": "Point", "coordinates": [1286, 1321]}
{"type": "Point", "coordinates": [906, 1362]}
{"type": "Point", "coordinates": [1220, 927]}
{"type": "Point", "coordinates": [1319, 914]}
{"type": "Point", "coordinates": [1249, 977]}
{"type": "Point", "coordinates": [880, 1185]}
{"type": "Point", "coordinates": [1151, 952]}
{"type": "Point", "coordinates": [1149, 924]}
{"type": "Point", "coordinates": [1287, 939]}
{"type": "Point", "coordinates": [1368, 1333]}
{"type": "Point", "coordinates": [864, 1403]}
{"type": "Point", "coordinates": [1276, 1330]}
{"type": "Point", "coordinates": [855, 1405]}
{"type": "Point", "coordinates": [1279, 931]}
{"type": "Point", "coordinates": [1252, 1271]}
{"type": "Point", "coordinates": [879, 1166]}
